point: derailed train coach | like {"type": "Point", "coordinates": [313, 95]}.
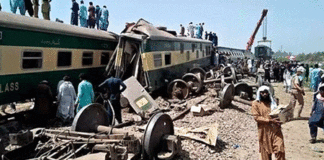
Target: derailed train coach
{"type": "Point", "coordinates": [234, 54]}
{"type": "Point", "coordinates": [32, 50]}
{"type": "Point", "coordinates": [157, 57]}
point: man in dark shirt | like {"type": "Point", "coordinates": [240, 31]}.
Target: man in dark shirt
{"type": "Point", "coordinates": [75, 13]}
{"type": "Point", "coordinates": [182, 30]}
{"type": "Point", "coordinates": [113, 85]}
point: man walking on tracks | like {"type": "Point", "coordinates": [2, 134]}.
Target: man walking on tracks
{"type": "Point", "coordinates": [297, 90]}
{"type": "Point", "coordinates": [85, 93]}
{"type": "Point", "coordinates": [317, 114]}
{"type": "Point", "coordinates": [113, 85]}
{"type": "Point", "coordinates": [270, 135]}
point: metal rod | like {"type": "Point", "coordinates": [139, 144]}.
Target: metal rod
{"type": "Point", "coordinates": [238, 99]}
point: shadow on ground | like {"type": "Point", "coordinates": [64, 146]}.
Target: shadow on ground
{"type": "Point", "coordinates": [235, 107]}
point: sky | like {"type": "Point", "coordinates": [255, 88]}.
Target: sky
{"type": "Point", "coordinates": [295, 26]}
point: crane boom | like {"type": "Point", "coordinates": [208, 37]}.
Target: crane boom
{"type": "Point", "coordinates": [251, 40]}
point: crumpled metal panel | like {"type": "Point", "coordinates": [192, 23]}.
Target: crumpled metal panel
{"type": "Point", "coordinates": [138, 98]}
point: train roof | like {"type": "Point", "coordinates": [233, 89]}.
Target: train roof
{"type": "Point", "coordinates": [148, 31]}
{"type": "Point", "coordinates": [10, 20]}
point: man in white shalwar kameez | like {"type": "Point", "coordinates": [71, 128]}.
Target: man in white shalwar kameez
{"type": "Point", "coordinates": [287, 80]}
{"type": "Point", "coordinates": [66, 98]}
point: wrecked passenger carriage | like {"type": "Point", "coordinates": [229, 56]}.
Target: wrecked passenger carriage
{"type": "Point", "coordinates": [157, 58]}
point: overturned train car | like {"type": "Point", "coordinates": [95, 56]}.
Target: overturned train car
{"type": "Point", "coordinates": [157, 57]}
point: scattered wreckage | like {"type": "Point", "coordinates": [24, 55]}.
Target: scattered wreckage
{"type": "Point", "coordinates": [94, 136]}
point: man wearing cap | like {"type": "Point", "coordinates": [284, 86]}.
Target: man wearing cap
{"type": "Point", "coordinates": [297, 90]}
{"type": "Point", "coordinates": [317, 114]}
{"type": "Point", "coordinates": [270, 135]}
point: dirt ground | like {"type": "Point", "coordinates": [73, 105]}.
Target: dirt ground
{"type": "Point", "coordinates": [237, 131]}
{"type": "Point", "coordinates": [296, 133]}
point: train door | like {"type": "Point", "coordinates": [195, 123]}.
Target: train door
{"type": "Point", "coordinates": [126, 60]}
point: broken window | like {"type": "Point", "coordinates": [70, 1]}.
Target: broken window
{"type": "Point", "coordinates": [157, 60]}
{"type": "Point", "coordinates": [104, 58]}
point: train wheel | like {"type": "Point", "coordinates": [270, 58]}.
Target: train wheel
{"type": "Point", "coordinates": [243, 87]}
{"type": "Point", "coordinates": [178, 89]}
{"type": "Point", "coordinates": [234, 75]}
{"type": "Point", "coordinates": [193, 81]}
{"type": "Point", "coordinates": [199, 71]}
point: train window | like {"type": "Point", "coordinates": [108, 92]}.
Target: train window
{"type": "Point", "coordinates": [200, 46]}
{"type": "Point", "coordinates": [197, 54]}
{"type": "Point", "coordinates": [64, 58]}
{"type": "Point", "coordinates": [167, 58]}
{"type": "Point", "coordinates": [193, 47]}
{"type": "Point", "coordinates": [188, 55]}
{"type": "Point", "coordinates": [157, 60]}
{"type": "Point", "coordinates": [104, 58]}
{"type": "Point", "coordinates": [181, 47]}
{"type": "Point", "coordinates": [207, 50]}
{"type": "Point", "coordinates": [32, 59]}
{"type": "Point", "coordinates": [87, 58]}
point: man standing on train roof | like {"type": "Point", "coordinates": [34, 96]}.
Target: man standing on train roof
{"type": "Point", "coordinates": [46, 8]}
{"type": "Point", "coordinates": [198, 30]}
{"type": "Point", "coordinates": [104, 19]}
{"type": "Point", "coordinates": [85, 93]}
{"type": "Point", "coordinates": [210, 36]}
{"type": "Point", "coordinates": [0, 7]}
{"type": "Point", "coordinates": [83, 15]}
{"type": "Point", "coordinates": [191, 30]}
{"type": "Point", "coordinates": [182, 30]}
{"type": "Point", "coordinates": [92, 16]}
{"type": "Point", "coordinates": [206, 35]}
{"type": "Point", "coordinates": [201, 30]}
{"type": "Point", "coordinates": [75, 13]}
{"type": "Point", "coordinates": [98, 15]}
{"type": "Point", "coordinates": [269, 129]}
{"type": "Point", "coordinates": [115, 87]}
{"type": "Point", "coordinates": [215, 40]}
{"type": "Point", "coordinates": [36, 4]}
{"type": "Point", "coordinates": [66, 98]}
{"type": "Point", "coordinates": [14, 4]}
{"type": "Point", "coordinates": [317, 114]}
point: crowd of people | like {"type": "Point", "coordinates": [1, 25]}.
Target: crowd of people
{"type": "Point", "coordinates": [98, 17]}
{"type": "Point", "coordinates": [69, 103]}
{"type": "Point", "coordinates": [197, 32]}
{"type": "Point", "coordinates": [294, 75]}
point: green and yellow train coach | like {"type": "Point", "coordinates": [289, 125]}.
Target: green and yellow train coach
{"type": "Point", "coordinates": [32, 50]}
{"type": "Point", "coordinates": [157, 57]}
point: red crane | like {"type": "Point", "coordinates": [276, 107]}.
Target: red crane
{"type": "Point", "coordinates": [251, 40]}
